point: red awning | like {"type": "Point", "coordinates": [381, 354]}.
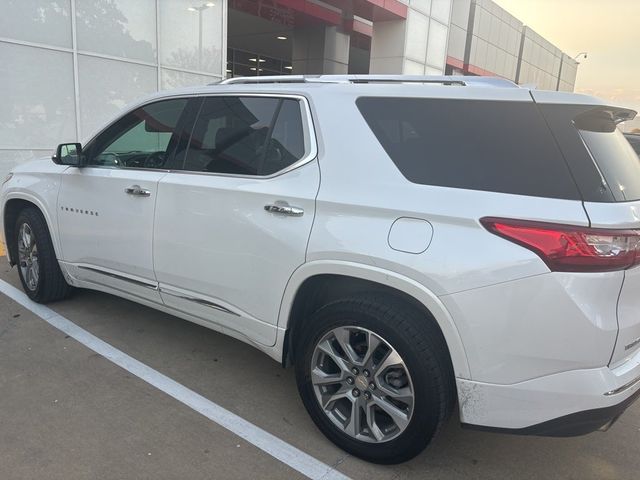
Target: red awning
{"type": "Point", "coordinates": [374, 10]}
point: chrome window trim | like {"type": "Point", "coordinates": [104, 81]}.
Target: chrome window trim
{"type": "Point", "coordinates": [308, 127]}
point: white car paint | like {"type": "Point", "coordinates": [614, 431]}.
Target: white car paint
{"type": "Point", "coordinates": [517, 333]}
{"type": "Point", "coordinates": [114, 236]}
{"type": "Point", "coordinates": [212, 234]}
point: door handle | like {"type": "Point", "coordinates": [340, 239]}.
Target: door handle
{"type": "Point", "coordinates": [138, 191]}
{"type": "Point", "coordinates": [283, 208]}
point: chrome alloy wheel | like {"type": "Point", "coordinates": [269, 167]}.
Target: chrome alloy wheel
{"type": "Point", "coordinates": [28, 257]}
{"type": "Point", "coordinates": [362, 384]}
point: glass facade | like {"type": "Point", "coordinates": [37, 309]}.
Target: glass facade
{"type": "Point", "coordinates": [69, 66]}
{"type": "Point", "coordinates": [485, 39]}
{"type": "Point", "coordinates": [416, 45]}
{"type": "Point", "coordinates": [241, 63]}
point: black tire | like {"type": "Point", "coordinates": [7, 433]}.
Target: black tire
{"type": "Point", "coordinates": [421, 345]}
{"type": "Point", "coordinates": [51, 285]}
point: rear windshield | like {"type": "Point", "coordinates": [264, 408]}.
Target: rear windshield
{"type": "Point", "coordinates": [604, 163]}
{"type": "Point", "coordinates": [634, 140]}
{"type": "Point", "coordinates": [492, 146]}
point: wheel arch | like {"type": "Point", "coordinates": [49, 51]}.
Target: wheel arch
{"type": "Point", "coordinates": [317, 282]}
{"type": "Point", "coordinates": [13, 205]}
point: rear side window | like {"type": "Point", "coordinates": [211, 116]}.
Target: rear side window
{"type": "Point", "coordinates": [246, 136]}
{"type": "Point", "coordinates": [492, 146]}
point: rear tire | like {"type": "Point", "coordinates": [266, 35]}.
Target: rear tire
{"type": "Point", "coordinates": [421, 384]}
{"type": "Point", "coordinates": [38, 267]}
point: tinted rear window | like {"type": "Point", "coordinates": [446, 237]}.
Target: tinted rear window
{"type": "Point", "coordinates": [603, 162]}
{"type": "Point", "coordinates": [472, 144]}
{"type": "Point", "coordinates": [613, 153]}
{"type": "Point", "coordinates": [634, 140]}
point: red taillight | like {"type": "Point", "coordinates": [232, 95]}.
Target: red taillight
{"type": "Point", "coordinates": [572, 249]}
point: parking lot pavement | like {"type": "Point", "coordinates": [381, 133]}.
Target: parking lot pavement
{"type": "Point", "coordinates": [66, 412]}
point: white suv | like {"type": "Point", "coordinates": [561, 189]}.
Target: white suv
{"type": "Point", "coordinates": [405, 242]}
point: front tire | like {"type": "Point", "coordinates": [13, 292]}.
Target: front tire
{"type": "Point", "coordinates": [38, 267]}
{"type": "Point", "coordinates": [375, 376]}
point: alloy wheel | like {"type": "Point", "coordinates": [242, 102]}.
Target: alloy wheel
{"type": "Point", "coordinates": [28, 257]}
{"type": "Point", "coordinates": [362, 384]}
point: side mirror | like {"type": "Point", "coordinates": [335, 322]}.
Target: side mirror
{"type": "Point", "coordinates": [68, 154]}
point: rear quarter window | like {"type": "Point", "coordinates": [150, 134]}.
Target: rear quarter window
{"type": "Point", "coordinates": [482, 145]}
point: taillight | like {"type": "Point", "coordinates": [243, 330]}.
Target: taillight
{"type": "Point", "coordinates": [566, 248]}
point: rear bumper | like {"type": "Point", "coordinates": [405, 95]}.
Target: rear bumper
{"type": "Point", "coordinates": [564, 404]}
{"type": "Point", "coordinates": [574, 424]}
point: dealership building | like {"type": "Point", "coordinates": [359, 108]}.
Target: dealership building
{"type": "Point", "coordinates": [68, 66]}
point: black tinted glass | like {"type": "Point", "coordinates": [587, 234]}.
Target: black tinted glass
{"type": "Point", "coordinates": [634, 140]}
{"type": "Point", "coordinates": [603, 163]}
{"type": "Point", "coordinates": [246, 136]}
{"type": "Point", "coordinates": [286, 145]}
{"type": "Point", "coordinates": [615, 157]}
{"type": "Point", "coordinates": [479, 145]}
{"type": "Point", "coordinates": [140, 139]}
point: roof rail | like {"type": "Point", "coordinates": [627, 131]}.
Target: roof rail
{"type": "Point", "coordinates": [443, 80]}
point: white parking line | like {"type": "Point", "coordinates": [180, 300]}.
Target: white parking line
{"type": "Point", "coordinates": [268, 443]}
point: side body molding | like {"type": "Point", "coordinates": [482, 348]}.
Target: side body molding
{"type": "Point", "coordinates": [384, 277]}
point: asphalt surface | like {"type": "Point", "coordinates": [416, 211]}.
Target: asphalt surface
{"type": "Point", "coordinates": [68, 413]}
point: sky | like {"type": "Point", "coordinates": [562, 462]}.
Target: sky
{"type": "Point", "coordinates": [608, 30]}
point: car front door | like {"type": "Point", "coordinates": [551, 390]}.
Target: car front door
{"type": "Point", "coordinates": [106, 207]}
{"type": "Point", "coordinates": [233, 224]}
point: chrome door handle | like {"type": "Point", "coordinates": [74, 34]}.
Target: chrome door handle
{"type": "Point", "coordinates": [138, 191]}
{"type": "Point", "coordinates": [284, 208]}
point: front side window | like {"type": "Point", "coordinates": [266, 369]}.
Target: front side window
{"type": "Point", "coordinates": [140, 139]}
{"type": "Point", "coordinates": [246, 136]}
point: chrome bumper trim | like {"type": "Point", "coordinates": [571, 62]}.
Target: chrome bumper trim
{"type": "Point", "coordinates": [624, 387]}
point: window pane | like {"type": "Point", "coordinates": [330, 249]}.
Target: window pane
{"type": "Point", "coordinates": [33, 115]}
{"type": "Point", "coordinates": [174, 79]}
{"type": "Point", "coordinates": [39, 21]}
{"type": "Point", "coordinates": [287, 141]}
{"type": "Point", "coordinates": [612, 152]}
{"type": "Point", "coordinates": [571, 125]}
{"type": "Point", "coordinates": [238, 135]}
{"type": "Point", "coordinates": [634, 140]}
{"type": "Point", "coordinates": [121, 28]}
{"type": "Point", "coordinates": [441, 9]}
{"type": "Point", "coordinates": [230, 135]}
{"type": "Point", "coordinates": [618, 162]}
{"type": "Point", "coordinates": [191, 35]}
{"type": "Point", "coordinates": [107, 86]}
{"type": "Point", "coordinates": [437, 47]}
{"type": "Point", "coordinates": [477, 145]}
{"type": "Point", "coordinates": [141, 139]}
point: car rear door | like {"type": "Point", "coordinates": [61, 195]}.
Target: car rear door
{"type": "Point", "coordinates": [106, 208]}
{"type": "Point", "coordinates": [233, 220]}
